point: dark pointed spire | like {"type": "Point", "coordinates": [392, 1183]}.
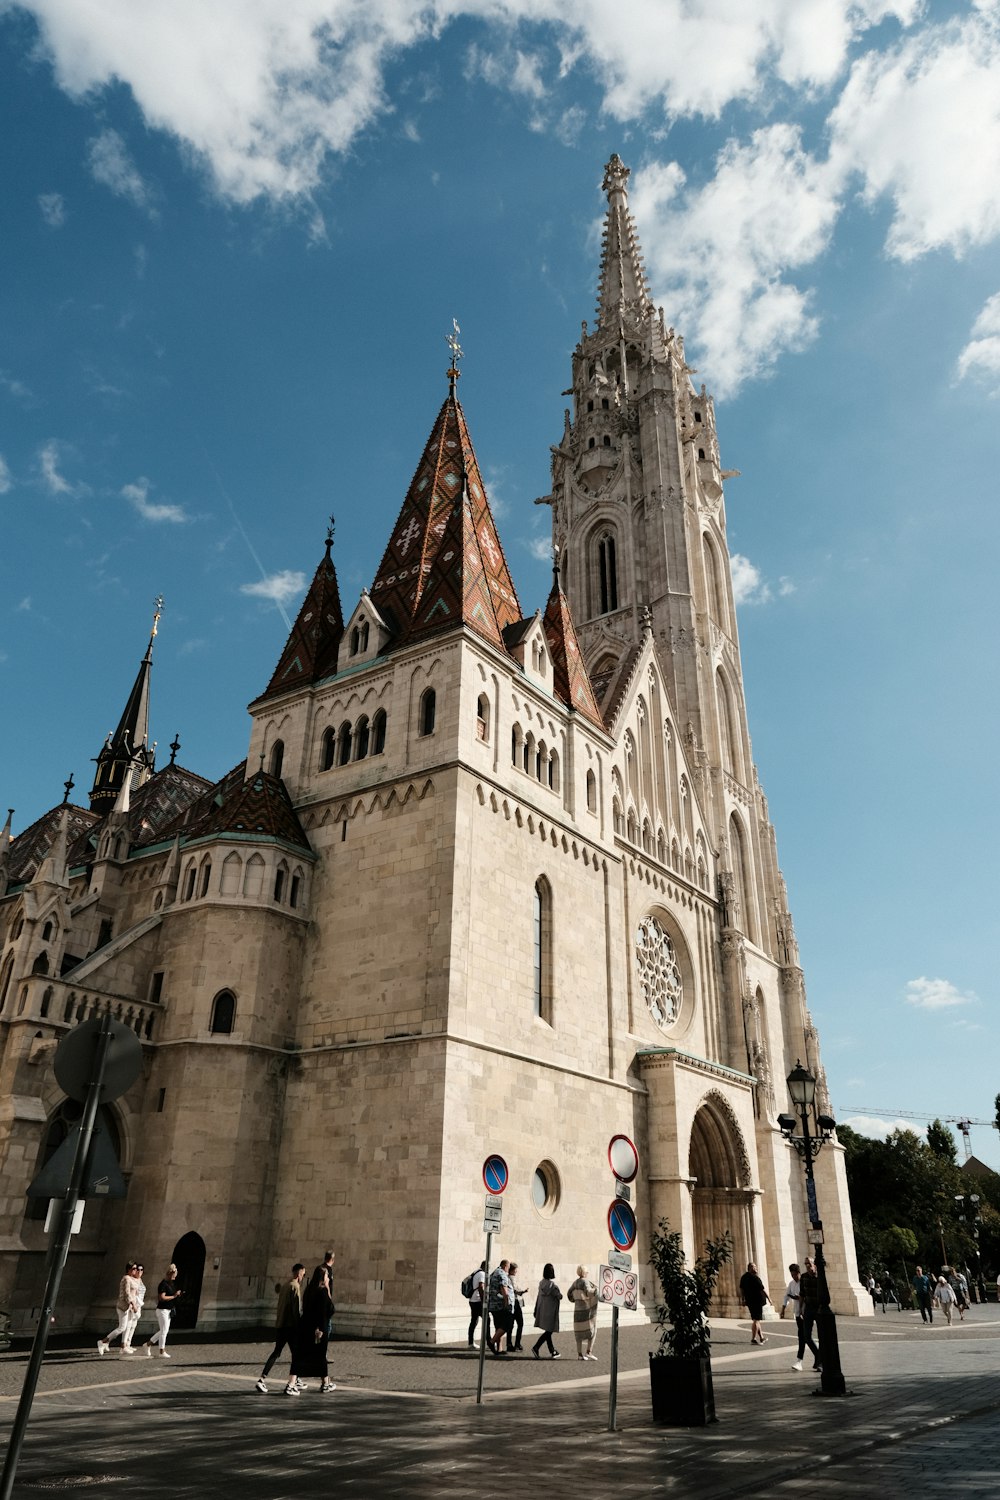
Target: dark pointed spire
{"type": "Point", "coordinates": [127, 749]}
{"type": "Point", "coordinates": [310, 652]}
{"type": "Point", "coordinates": [444, 564]}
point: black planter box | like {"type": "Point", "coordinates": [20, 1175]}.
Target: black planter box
{"type": "Point", "coordinates": [681, 1390]}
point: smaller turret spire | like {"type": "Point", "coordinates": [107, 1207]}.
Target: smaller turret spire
{"type": "Point", "coordinates": [68, 785]}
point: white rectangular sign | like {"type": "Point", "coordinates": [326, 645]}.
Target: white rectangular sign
{"type": "Point", "coordinates": [494, 1200]}
{"type": "Point", "coordinates": [491, 1226]}
{"type": "Point", "coordinates": [617, 1288]}
{"type": "Point", "coordinates": [622, 1190]}
{"type": "Point", "coordinates": [619, 1261]}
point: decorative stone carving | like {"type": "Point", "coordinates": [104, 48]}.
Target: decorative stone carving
{"type": "Point", "coordinates": [660, 982]}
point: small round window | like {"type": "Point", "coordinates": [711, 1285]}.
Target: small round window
{"type": "Point", "coordinates": [545, 1188]}
{"type": "Point", "coordinates": [659, 975]}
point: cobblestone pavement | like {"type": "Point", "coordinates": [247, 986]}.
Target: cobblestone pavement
{"type": "Point", "coordinates": [924, 1421]}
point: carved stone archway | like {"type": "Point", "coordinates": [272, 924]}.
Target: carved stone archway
{"type": "Point", "coordinates": [722, 1194]}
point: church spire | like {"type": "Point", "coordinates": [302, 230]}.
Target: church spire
{"type": "Point", "coordinates": [128, 747]}
{"type": "Point", "coordinates": [310, 652]}
{"type": "Point", "coordinates": [570, 677]}
{"type": "Point", "coordinates": [444, 564]}
{"type": "Point", "coordinates": [622, 288]}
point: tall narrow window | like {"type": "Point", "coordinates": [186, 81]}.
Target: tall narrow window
{"type": "Point", "coordinates": [542, 977]}
{"type": "Point", "coordinates": [591, 792]}
{"type": "Point", "coordinates": [232, 875]}
{"type": "Point", "coordinates": [378, 733]}
{"type": "Point", "coordinates": [279, 883]}
{"type": "Point", "coordinates": [428, 711]}
{"type": "Point", "coordinates": [608, 568]}
{"type": "Point", "coordinates": [483, 718]}
{"type": "Point", "coordinates": [328, 750]}
{"type": "Point", "coordinates": [206, 876]}
{"type": "Point", "coordinates": [344, 744]}
{"type": "Point", "coordinates": [361, 736]}
{"type": "Point", "coordinates": [277, 756]}
{"type": "Point", "coordinates": [223, 1012]}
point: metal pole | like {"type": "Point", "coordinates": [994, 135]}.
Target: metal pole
{"type": "Point", "coordinates": [832, 1381]}
{"type": "Point", "coordinates": [58, 1254]}
{"type": "Point", "coordinates": [483, 1320]}
{"type": "Point", "coordinates": [613, 1397]}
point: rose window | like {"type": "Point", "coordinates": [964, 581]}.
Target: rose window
{"type": "Point", "coordinates": [659, 975]}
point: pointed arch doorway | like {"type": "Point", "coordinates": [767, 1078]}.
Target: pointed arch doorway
{"type": "Point", "coordinates": [189, 1258]}
{"type": "Point", "coordinates": [722, 1196]}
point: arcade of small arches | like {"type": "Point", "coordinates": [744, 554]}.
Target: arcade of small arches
{"type": "Point", "coordinates": [239, 877]}
{"type": "Point", "coordinates": [535, 758]}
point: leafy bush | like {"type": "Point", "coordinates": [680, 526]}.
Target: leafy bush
{"type": "Point", "coordinates": [682, 1316]}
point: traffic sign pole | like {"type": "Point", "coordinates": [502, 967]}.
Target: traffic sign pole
{"type": "Point", "coordinates": [623, 1159]}
{"type": "Point", "coordinates": [484, 1320]}
{"type": "Point", "coordinates": [613, 1394]}
{"type": "Point", "coordinates": [57, 1255]}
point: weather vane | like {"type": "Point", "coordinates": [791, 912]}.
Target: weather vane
{"type": "Point", "coordinates": [451, 340]}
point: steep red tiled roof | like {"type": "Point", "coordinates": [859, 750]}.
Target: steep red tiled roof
{"type": "Point", "coordinates": [571, 682]}
{"type": "Point", "coordinates": [161, 800]}
{"type": "Point", "coordinates": [310, 652]}
{"type": "Point", "coordinates": [444, 564]}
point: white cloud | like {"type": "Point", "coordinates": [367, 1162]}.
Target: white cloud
{"type": "Point", "coordinates": [53, 209]}
{"type": "Point", "coordinates": [280, 587]}
{"type": "Point", "coordinates": [15, 387]}
{"type": "Point", "coordinates": [263, 92]}
{"type": "Point", "coordinates": [48, 462]}
{"type": "Point", "coordinates": [878, 1129]}
{"type": "Point", "coordinates": [936, 994]}
{"type": "Point", "coordinates": [981, 355]}
{"type": "Point", "coordinates": [111, 165]}
{"type": "Point", "coordinates": [540, 548]}
{"type": "Point", "coordinates": [138, 497]}
{"type": "Point", "coordinates": [25, 604]}
{"type": "Point", "coordinates": [748, 586]}
{"type": "Point", "coordinates": [717, 254]}
{"type": "Point", "coordinates": [920, 123]}
{"type": "Point", "coordinates": [5, 480]}
{"type": "Point", "coordinates": [785, 586]}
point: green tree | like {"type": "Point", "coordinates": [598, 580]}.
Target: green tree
{"type": "Point", "coordinates": [941, 1141]}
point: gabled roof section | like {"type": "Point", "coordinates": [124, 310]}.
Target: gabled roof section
{"type": "Point", "coordinates": [612, 685]}
{"type": "Point", "coordinates": [444, 564]}
{"type": "Point", "coordinates": [623, 285]}
{"type": "Point", "coordinates": [310, 652]}
{"type": "Point", "coordinates": [570, 678]}
{"type": "Point", "coordinates": [247, 806]}
{"type": "Point", "coordinates": [161, 800]}
{"type": "Point", "coordinates": [29, 849]}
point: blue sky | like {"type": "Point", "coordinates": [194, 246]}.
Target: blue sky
{"type": "Point", "coordinates": [232, 240]}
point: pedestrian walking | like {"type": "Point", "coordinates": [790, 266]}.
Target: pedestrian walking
{"type": "Point", "coordinates": [329, 1256]}
{"type": "Point", "coordinates": [167, 1294]}
{"type": "Point", "coordinates": [125, 1306]}
{"type": "Point", "coordinates": [288, 1315]}
{"type": "Point", "coordinates": [547, 1312]}
{"type": "Point", "coordinates": [753, 1296]}
{"type": "Point", "coordinates": [309, 1351]}
{"type": "Point", "coordinates": [478, 1282]}
{"type": "Point", "coordinates": [138, 1297]}
{"type": "Point", "coordinates": [793, 1298]}
{"type": "Point", "coordinates": [809, 1305]}
{"type": "Point", "coordinates": [517, 1333]}
{"type": "Point", "coordinates": [945, 1298]}
{"type": "Point", "coordinates": [501, 1306]}
{"type": "Point", "coordinates": [924, 1293]}
{"type": "Point", "coordinates": [583, 1295]}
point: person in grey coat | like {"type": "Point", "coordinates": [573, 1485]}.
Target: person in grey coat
{"type": "Point", "coordinates": [547, 1312]}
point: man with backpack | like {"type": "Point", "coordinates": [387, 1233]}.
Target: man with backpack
{"type": "Point", "coordinates": [472, 1291]}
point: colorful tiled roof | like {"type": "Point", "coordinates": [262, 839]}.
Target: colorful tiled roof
{"type": "Point", "coordinates": [571, 681]}
{"type": "Point", "coordinates": [30, 847]}
{"type": "Point", "coordinates": [237, 805]}
{"type": "Point", "coordinates": [310, 652]}
{"type": "Point", "coordinates": [444, 564]}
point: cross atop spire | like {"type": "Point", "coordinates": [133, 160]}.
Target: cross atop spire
{"type": "Point", "coordinates": [457, 353]}
{"type": "Point", "coordinates": [623, 288]}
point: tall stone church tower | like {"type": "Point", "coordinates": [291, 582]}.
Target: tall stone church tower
{"type": "Point", "coordinates": [486, 881]}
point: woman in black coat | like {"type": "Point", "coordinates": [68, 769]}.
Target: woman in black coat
{"type": "Point", "coordinates": [309, 1353]}
{"type": "Point", "coordinates": [753, 1294]}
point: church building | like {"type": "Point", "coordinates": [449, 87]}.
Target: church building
{"type": "Point", "coordinates": [488, 881]}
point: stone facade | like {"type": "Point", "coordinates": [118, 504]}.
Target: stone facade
{"type": "Point", "coordinates": [486, 882]}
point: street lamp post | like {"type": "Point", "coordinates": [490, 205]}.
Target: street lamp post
{"type": "Point", "coordinates": [802, 1088]}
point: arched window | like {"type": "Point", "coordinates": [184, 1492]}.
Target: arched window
{"type": "Point", "coordinates": [295, 889]}
{"type": "Point", "coordinates": [359, 638]}
{"type": "Point", "coordinates": [616, 816]}
{"type": "Point", "coordinates": [328, 750]}
{"type": "Point", "coordinates": [377, 745]}
{"type": "Point", "coordinates": [47, 933]}
{"type": "Point", "coordinates": [713, 582]}
{"type": "Point", "coordinates": [232, 871]}
{"type": "Point", "coordinates": [46, 1002]}
{"type": "Point", "coordinates": [607, 573]}
{"type": "Point", "coordinates": [515, 745]}
{"type": "Point", "coordinates": [344, 744]}
{"type": "Point", "coordinates": [554, 770]}
{"type": "Point", "coordinates": [591, 792]}
{"type": "Point", "coordinates": [528, 757]}
{"type": "Point", "coordinates": [741, 875]}
{"type": "Point", "coordinates": [5, 973]}
{"type": "Point", "coordinates": [542, 978]}
{"type": "Point", "coordinates": [361, 736]}
{"type": "Point", "coordinates": [206, 876]}
{"type": "Point", "coordinates": [633, 827]}
{"type": "Point", "coordinates": [280, 876]}
{"type": "Point", "coordinates": [253, 878]}
{"type": "Point", "coordinates": [428, 711]}
{"type": "Point", "coordinates": [277, 756]}
{"type": "Point", "coordinates": [661, 847]}
{"type": "Point", "coordinates": [41, 964]}
{"type": "Point", "coordinates": [189, 880]}
{"type": "Point", "coordinates": [223, 1012]}
{"type": "Point", "coordinates": [483, 718]}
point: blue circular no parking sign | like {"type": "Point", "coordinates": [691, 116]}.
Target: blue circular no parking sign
{"type": "Point", "coordinates": [495, 1174]}
{"type": "Point", "coordinates": [621, 1224]}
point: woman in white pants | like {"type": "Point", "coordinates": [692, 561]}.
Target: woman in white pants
{"type": "Point", "coordinates": [138, 1289]}
{"type": "Point", "coordinates": [125, 1307]}
{"type": "Point", "coordinates": [166, 1295]}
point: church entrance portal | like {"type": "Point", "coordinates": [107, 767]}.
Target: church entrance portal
{"type": "Point", "coordinates": [189, 1258]}
{"type": "Point", "coordinates": [722, 1198]}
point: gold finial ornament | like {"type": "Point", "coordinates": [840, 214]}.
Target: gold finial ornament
{"type": "Point", "coordinates": [451, 340]}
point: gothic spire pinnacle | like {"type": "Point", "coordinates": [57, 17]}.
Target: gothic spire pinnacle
{"type": "Point", "coordinates": [457, 353]}
{"type": "Point", "coordinates": [310, 652]}
{"type": "Point", "coordinates": [623, 288]}
{"type": "Point", "coordinates": [129, 745]}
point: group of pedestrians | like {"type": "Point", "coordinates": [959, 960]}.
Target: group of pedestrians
{"type": "Point", "coordinates": [501, 1301]}
{"type": "Point", "coordinates": [303, 1324]}
{"type": "Point", "coordinates": [129, 1305]}
{"type": "Point", "coordinates": [801, 1295]}
{"type": "Point", "coordinates": [947, 1292]}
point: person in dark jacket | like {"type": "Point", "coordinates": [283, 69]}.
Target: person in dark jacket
{"type": "Point", "coordinates": [753, 1294]}
{"type": "Point", "coordinates": [286, 1320]}
{"type": "Point", "coordinates": [309, 1351]}
{"type": "Point", "coordinates": [547, 1312]}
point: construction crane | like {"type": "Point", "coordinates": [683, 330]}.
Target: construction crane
{"type": "Point", "coordinates": [964, 1122]}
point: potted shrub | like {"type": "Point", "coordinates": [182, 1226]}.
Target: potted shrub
{"type": "Point", "coordinates": [680, 1368]}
